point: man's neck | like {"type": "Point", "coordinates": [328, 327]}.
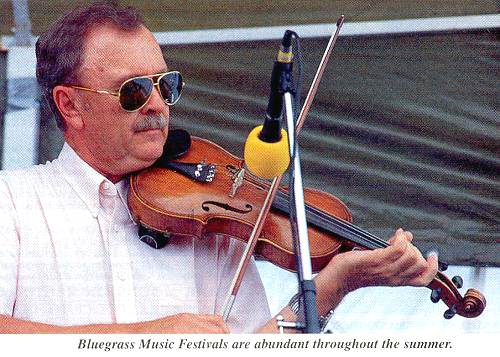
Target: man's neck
{"type": "Point", "coordinates": [87, 156]}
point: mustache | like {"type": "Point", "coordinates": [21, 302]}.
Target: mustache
{"type": "Point", "coordinates": [151, 122]}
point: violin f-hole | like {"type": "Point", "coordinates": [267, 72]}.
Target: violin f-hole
{"type": "Point", "coordinates": [205, 206]}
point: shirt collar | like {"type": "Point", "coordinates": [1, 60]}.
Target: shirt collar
{"type": "Point", "coordinates": [85, 180]}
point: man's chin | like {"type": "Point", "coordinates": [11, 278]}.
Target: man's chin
{"type": "Point", "coordinates": [139, 165]}
{"type": "Point", "coordinates": [147, 156]}
{"type": "Point", "coordinates": [151, 156]}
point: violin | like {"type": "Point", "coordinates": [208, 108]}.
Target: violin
{"type": "Point", "coordinates": [197, 187]}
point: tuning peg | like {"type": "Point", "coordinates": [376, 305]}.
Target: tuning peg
{"type": "Point", "coordinates": [442, 266]}
{"type": "Point", "coordinates": [458, 281]}
{"type": "Point", "coordinates": [436, 295]}
{"type": "Point", "coordinates": [448, 314]}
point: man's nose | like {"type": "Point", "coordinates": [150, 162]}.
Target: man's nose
{"type": "Point", "coordinates": [155, 104]}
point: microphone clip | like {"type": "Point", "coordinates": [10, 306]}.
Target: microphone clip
{"type": "Point", "coordinates": [281, 83]}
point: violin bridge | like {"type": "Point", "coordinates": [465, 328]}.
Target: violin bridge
{"type": "Point", "coordinates": [237, 182]}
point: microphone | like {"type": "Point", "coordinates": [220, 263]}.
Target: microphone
{"type": "Point", "coordinates": [266, 148]}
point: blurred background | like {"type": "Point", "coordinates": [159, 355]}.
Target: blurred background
{"type": "Point", "coordinates": [404, 128]}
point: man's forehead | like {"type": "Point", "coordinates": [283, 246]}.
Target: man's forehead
{"type": "Point", "coordinates": [122, 76]}
{"type": "Point", "coordinates": [119, 55]}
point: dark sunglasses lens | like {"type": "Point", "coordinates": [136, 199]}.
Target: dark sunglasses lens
{"type": "Point", "coordinates": [171, 87]}
{"type": "Point", "coordinates": [135, 93]}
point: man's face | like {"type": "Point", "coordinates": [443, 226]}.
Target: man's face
{"type": "Point", "coordinates": [109, 140]}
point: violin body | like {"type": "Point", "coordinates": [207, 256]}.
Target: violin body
{"type": "Point", "coordinates": [177, 202]}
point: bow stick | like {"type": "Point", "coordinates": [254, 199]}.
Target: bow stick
{"type": "Point", "coordinates": [259, 224]}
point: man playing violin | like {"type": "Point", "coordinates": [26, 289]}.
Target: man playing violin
{"type": "Point", "coordinates": [70, 260]}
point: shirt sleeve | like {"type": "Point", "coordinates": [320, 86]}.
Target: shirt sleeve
{"type": "Point", "coordinates": [9, 251]}
{"type": "Point", "coordinates": [251, 309]}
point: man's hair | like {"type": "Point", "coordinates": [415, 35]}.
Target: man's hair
{"type": "Point", "coordinates": [59, 51]}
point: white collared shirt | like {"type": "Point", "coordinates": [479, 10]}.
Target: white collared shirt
{"type": "Point", "coordinates": [70, 255]}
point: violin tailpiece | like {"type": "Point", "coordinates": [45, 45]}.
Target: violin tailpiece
{"type": "Point", "coordinates": [197, 171]}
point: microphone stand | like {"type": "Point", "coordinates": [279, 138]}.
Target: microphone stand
{"type": "Point", "coordinates": [303, 255]}
{"type": "Point", "coordinates": [309, 289]}
{"type": "Point", "coordinates": [304, 269]}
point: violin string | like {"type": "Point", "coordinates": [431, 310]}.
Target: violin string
{"type": "Point", "coordinates": [350, 228]}
{"type": "Point", "coordinates": [345, 232]}
{"type": "Point", "coordinates": [327, 221]}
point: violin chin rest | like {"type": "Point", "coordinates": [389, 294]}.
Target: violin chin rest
{"type": "Point", "coordinates": [177, 144]}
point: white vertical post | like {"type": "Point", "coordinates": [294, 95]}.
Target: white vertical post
{"type": "Point", "coordinates": [23, 36]}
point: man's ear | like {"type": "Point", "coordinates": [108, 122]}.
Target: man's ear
{"type": "Point", "coordinates": [65, 99]}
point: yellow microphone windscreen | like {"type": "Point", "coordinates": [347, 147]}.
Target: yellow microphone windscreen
{"type": "Point", "coordinates": [266, 160]}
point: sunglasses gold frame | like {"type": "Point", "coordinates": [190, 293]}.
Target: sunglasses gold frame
{"type": "Point", "coordinates": [156, 84]}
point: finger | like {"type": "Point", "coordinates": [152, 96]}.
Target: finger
{"type": "Point", "coordinates": [408, 265]}
{"type": "Point", "coordinates": [206, 324]}
{"type": "Point", "coordinates": [397, 249]}
{"type": "Point", "coordinates": [408, 236]}
{"type": "Point", "coordinates": [398, 232]}
{"type": "Point", "coordinates": [429, 273]}
{"type": "Point", "coordinates": [222, 325]}
{"type": "Point", "coordinates": [413, 267]}
{"type": "Point", "coordinates": [433, 262]}
{"type": "Point", "coordinates": [218, 322]}
{"type": "Point", "coordinates": [434, 255]}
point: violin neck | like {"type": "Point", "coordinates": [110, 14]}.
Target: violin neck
{"type": "Point", "coordinates": [332, 225]}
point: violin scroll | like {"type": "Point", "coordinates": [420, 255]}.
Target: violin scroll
{"type": "Point", "coordinates": [470, 305]}
{"type": "Point", "coordinates": [474, 303]}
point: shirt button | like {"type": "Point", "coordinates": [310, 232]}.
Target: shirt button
{"type": "Point", "coordinates": [107, 188]}
{"type": "Point", "coordinates": [116, 228]}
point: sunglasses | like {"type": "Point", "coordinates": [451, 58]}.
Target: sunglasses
{"type": "Point", "coordinates": [135, 92]}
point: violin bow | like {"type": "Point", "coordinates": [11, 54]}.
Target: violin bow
{"type": "Point", "coordinates": [259, 223]}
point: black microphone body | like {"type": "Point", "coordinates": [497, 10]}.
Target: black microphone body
{"type": "Point", "coordinates": [281, 82]}
{"type": "Point", "coordinates": [266, 148]}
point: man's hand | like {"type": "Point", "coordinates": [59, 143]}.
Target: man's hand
{"type": "Point", "coordinates": [399, 264]}
{"type": "Point", "coordinates": [182, 323]}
